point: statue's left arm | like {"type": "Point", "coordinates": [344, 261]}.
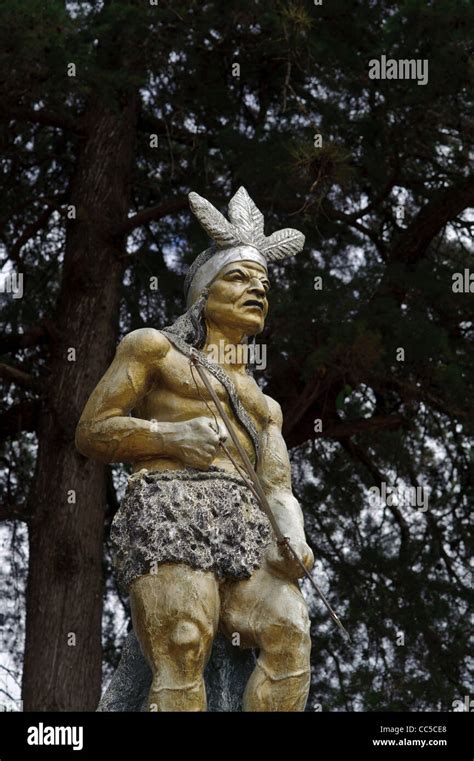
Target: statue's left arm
{"type": "Point", "coordinates": [274, 471]}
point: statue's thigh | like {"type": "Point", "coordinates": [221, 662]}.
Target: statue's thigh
{"type": "Point", "coordinates": [265, 611]}
{"type": "Point", "coordinates": [175, 607]}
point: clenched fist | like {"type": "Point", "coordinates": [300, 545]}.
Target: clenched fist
{"type": "Point", "coordinates": [282, 562]}
{"type": "Point", "coordinates": [195, 442]}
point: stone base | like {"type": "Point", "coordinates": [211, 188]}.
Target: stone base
{"type": "Point", "coordinates": [225, 676]}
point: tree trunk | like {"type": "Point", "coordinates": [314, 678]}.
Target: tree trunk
{"type": "Point", "coordinates": [62, 667]}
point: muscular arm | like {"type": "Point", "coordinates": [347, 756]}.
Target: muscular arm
{"type": "Point", "coordinates": [105, 431]}
{"type": "Point", "coordinates": [275, 475]}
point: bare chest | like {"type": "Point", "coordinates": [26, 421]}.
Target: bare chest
{"type": "Point", "coordinates": [178, 391]}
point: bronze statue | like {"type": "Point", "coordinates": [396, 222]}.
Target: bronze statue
{"type": "Point", "coordinates": [192, 547]}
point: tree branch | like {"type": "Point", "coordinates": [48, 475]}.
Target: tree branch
{"type": "Point", "coordinates": [351, 221]}
{"type": "Point", "coordinates": [31, 230]}
{"type": "Point", "coordinates": [299, 410]}
{"type": "Point", "coordinates": [410, 392]}
{"type": "Point", "coordinates": [152, 214]}
{"type": "Point", "coordinates": [352, 427]}
{"type": "Point", "coordinates": [378, 478]}
{"type": "Point", "coordinates": [153, 125]}
{"type": "Point", "coordinates": [42, 116]}
{"type": "Point", "coordinates": [377, 200]}
{"type": "Point", "coordinates": [431, 219]}
{"type": "Point", "coordinates": [15, 375]}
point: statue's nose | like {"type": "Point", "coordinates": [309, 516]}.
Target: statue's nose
{"type": "Point", "coordinates": [257, 286]}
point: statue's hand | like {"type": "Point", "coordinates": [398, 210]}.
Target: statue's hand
{"type": "Point", "coordinates": [195, 442]}
{"type": "Point", "coordinates": [283, 564]}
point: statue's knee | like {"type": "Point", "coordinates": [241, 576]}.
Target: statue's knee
{"type": "Point", "coordinates": [181, 656]}
{"type": "Point", "coordinates": [185, 635]}
{"type": "Point", "coordinates": [287, 653]}
{"type": "Point", "coordinates": [297, 636]}
{"type": "Point", "coordinates": [289, 639]}
{"type": "Point", "coordinates": [304, 643]}
{"type": "Point", "coordinates": [190, 640]}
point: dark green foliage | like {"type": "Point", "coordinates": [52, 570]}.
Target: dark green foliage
{"type": "Point", "coordinates": [387, 282]}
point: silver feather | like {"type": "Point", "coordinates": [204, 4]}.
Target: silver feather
{"type": "Point", "coordinates": [247, 217]}
{"type": "Point", "coordinates": [214, 223]}
{"type": "Point", "coordinates": [282, 243]}
{"type": "Point", "coordinates": [246, 226]}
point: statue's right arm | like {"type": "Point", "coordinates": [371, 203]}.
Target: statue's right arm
{"type": "Point", "coordinates": [106, 431]}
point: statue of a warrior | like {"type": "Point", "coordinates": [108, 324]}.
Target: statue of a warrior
{"type": "Point", "coordinates": [192, 547]}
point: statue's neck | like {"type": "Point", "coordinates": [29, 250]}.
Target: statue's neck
{"type": "Point", "coordinates": [225, 347]}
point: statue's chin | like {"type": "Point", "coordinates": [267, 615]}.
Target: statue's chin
{"type": "Point", "coordinates": [248, 328]}
{"type": "Point", "coordinates": [249, 322]}
{"type": "Point", "coordinates": [251, 326]}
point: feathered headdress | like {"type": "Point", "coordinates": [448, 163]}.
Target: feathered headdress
{"type": "Point", "coordinates": [240, 239]}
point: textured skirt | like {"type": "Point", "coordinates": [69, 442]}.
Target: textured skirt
{"type": "Point", "coordinates": [206, 519]}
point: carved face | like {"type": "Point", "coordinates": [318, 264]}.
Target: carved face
{"type": "Point", "coordinates": [238, 298]}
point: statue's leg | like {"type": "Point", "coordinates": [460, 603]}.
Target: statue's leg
{"type": "Point", "coordinates": [175, 613]}
{"type": "Point", "coordinates": [271, 614]}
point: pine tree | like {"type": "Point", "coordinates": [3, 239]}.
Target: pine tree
{"type": "Point", "coordinates": [110, 113]}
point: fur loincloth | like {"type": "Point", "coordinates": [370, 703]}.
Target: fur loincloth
{"type": "Point", "coordinates": [207, 519]}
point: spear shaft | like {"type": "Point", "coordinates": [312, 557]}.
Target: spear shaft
{"type": "Point", "coordinates": [282, 541]}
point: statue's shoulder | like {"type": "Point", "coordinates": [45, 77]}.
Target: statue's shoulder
{"type": "Point", "coordinates": [144, 343]}
{"type": "Point", "coordinates": [275, 415]}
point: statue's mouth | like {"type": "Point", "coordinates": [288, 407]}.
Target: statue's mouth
{"type": "Point", "coordinates": [254, 303]}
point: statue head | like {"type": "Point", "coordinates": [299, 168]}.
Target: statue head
{"type": "Point", "coordinates": [237, 299]}
{"type": "Point", "coordinates": [227, 284]}
{"type": "Point", "coordinates": [230, 278]}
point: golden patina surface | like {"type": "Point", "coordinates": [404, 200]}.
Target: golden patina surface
{"type": "Point", "coordinates": [150, 410]}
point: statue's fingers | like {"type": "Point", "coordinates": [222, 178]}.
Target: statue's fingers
{"type": "Point", "coordinates": [222, 432]}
